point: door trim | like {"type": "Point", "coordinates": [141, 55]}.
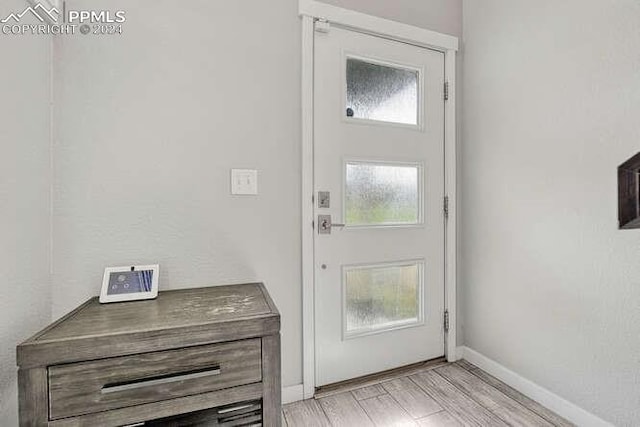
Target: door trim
{"type": "Point", "coordinates": [311, 10]}
{"type": "Point", "coordinates": [378, 26]}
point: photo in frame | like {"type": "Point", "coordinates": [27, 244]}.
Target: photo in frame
{"type": "Point", "coordinates": [129, 283]}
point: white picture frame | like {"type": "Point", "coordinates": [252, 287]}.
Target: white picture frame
{"type": "Point", "coordinates": [118, 284]}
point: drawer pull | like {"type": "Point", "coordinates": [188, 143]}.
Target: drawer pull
{"type": "Point", "coordinates": [164, 379]}
{"type": "Point", "coordinates": [234, 408]}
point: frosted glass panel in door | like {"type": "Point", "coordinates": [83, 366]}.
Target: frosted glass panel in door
{"type": "Point", "coordinates": [381, 92]}
{"type": "Point", "coordinates": [382, 297]}
{"type": "Point", "coordinates": [382, 194]}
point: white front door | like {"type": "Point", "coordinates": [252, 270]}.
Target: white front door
{"type": "Point", "coordinates": [379, 170]}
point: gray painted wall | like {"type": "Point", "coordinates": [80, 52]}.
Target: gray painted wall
{"type": "Point", "coordinates": [552, 288]}
{"type": "Point", "coordinates": [148, 126]}
{"type": "Point", "coordinates": [25, 294]}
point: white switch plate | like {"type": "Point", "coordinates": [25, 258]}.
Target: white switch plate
{"type": "Point", "coordinates": [244, 181]}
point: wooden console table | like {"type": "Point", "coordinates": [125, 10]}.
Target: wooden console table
{"type": "Point", "coordinates": [206, 356]}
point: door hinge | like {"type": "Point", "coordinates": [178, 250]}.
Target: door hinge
{"type": "Point", "coordinates": [446, 91]}
{"type": "Point", "coordinates": [446, 320]}
{"type": "Point", "coordinates": [445, 206]}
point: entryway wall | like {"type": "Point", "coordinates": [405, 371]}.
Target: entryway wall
{"type": "Point", "coordinates": [552, 287]}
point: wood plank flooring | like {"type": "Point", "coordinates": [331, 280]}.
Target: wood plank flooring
{"type": "Point", "coordinates": [440, 395]}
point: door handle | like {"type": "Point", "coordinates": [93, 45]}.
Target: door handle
{"type": "Point", "coordinates": [163, 379]}
{"type": "Point", "coordinates": [325, 225]}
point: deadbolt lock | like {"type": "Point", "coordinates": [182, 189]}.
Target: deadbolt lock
{"type": "Point", "coordinates": [324, 199]}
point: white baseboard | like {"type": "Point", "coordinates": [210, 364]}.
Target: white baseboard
{"type": "Point", "coordinates": [292, 393]}
{"type": "Point", "coordinates": [561, 406]}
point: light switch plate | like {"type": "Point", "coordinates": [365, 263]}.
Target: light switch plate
{"type": "Point", "coordinates": [244, 181]}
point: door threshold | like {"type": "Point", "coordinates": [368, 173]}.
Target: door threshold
{"type": "Point", "coordinates": [355, 383]}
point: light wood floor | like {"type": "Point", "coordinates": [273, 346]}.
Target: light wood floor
{"type": "Point", "coordinates": [440, 394]}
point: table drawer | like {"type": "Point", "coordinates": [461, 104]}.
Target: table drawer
{"type": "Point", "coordinates": [101, 385]}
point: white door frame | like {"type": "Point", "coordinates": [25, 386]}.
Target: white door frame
{"type": "Point", "coordinates": [311, 10]}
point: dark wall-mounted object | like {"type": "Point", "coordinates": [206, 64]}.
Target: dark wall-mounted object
{"type": "Point", "coordinates": [629, 194]}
